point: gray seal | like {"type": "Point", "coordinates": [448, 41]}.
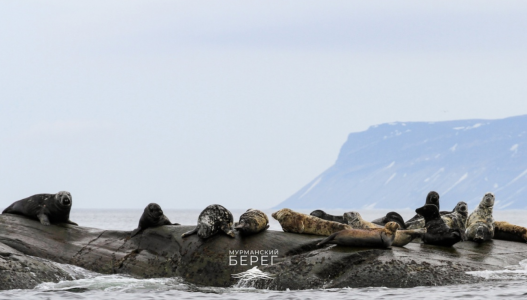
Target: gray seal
{"type": "Point", "coordinates": [480, 223]}
{"type": "Point", "coordinates": [152, 216]}
{"type": "Point", "coordinates": [48, 208]}
{"type": "Point", "coordinates": [211, 220]}
{"type": "Point", "coordinates": [252, 221]}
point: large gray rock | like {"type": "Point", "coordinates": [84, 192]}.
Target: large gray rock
{"type": "Point", "coordinates": [299, 264]}
{"type": "Point", "coordinates": [19, 271]}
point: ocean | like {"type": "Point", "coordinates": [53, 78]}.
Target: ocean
{"type": "Point", "coordinates": [509, 283]}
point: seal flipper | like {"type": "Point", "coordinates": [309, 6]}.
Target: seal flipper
{"type": "Point", "coordinates": [193, 231]}
{"type": "Point", "coordinates": [71, 222]}
{"type": "Point", "coordinates": [228, 231]}
{"type": "Point", "coordinates": [175, 224]}
{"type": "Point", "coordinates": [327, 240]}
{"type": "Point", "coordinates": [43, 219]}
{"type": "Point", "coordinates": [135, 231]}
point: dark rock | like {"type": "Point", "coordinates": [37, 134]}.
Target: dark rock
{"type": "Point", "coordinates": [161, 252]}
{"type": "Point", "coordinates": [19, 271]}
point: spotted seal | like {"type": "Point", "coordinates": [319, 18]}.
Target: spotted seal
{"type": "Point", "coordinates": [48, 208]}
{"type": "Point", "coordinates": [402, 237]}
{"type": "Point", "coordinates": [152, 216]}
{"type": "Point", "coordinates": [437, 232]}
{"type": "Point", "coordinates": [292, 221]}
{"type": "Point", "coordinates": [480, 223]}
{"type": "Point", "coordinates": [323, 215]}
{"type": "Point", "coordinates": [372, 238]}
{"type": "Point", "coordinates": [211, 220]}
{"type": "Point", "coordinates": [509, 232]}
{"type": "Point", "coordinates": [252, 221]}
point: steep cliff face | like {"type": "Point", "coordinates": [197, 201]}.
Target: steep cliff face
{"type": "Point", "coordinates": [395, 165]}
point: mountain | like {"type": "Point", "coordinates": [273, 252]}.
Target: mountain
{"type": "Point", "coordinates": [395, 165]}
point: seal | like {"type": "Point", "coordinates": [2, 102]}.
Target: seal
{"type": "Point", "coordinates": [459, 213]}
{"type": "Point", "coordinates": [152, 216]}
{"type": "Point", "coordinates": [402, 237]}
{"type": "Point", "coordinates": [509, 232]}
{"type": "Point", "coordinates": [431, 198]}
{"type": "Point", "coordinates": [480, 223]}
{"type": "Point", "coordinates": [292, 221]}
{"type": "Point", "coordinates": [323, 215]}
{"type": "Point", "coordinates": [48, 208]}
{"type": "Point", "coordinates": [252, 221]}
{"type": "Point", "coordinates": [211, 220]}
{"type": "Point", "coordinates": [457, 219]}
{"type": "Point", "coordinates": [437, 232]}
{"type": "Point", "coordinates": [391, 217]}
{"type": "Point", "coordinates": [371, 238]}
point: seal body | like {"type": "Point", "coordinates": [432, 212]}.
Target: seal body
{"type": "Point", "coordinates": [371, 238]}
{"type": "Point", "coordinates": [437, 232]}
{"type": "Point", "coordinates": [480, 223]}
{"type": "Point", "coordinates": [457, 219]}
{"type": "Point", "coordinates": [152, 216]}
{"type": "Point", "coordinates": [292, 221]}
{"type": "Point", "coordinates": [509, 232]}
{"type": "Point", "coordinates": [431, 198]}
{"type": "Point", "coordinates": [48, 208]}
{"type": "Point", "coordinates": [211, 220]}
{"type": "Point", "coordinates": [402, 237]}
{"type": "Point", "coordinates": [323, 215]}
{"type": "Point", "coordinates": [252, 221]}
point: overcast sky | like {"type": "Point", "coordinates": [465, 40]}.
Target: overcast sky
{"type": "Point", "coordinates": [241, 103]}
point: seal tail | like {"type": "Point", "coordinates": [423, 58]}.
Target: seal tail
{"type": "Point", "coordinates": [328, 239]}
{"type": "Point", "coordinates": [240, 226]}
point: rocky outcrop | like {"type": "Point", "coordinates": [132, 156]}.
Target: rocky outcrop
{"type": "Point", "coordinates": [19, 271]}
{"type": "Point", "coordinates": [293, 260]}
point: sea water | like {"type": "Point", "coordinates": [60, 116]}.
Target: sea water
{"type": "Point", "coordinates": [509, 283]}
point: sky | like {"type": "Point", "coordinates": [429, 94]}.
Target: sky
{"type": "Point", "coordinates": [240, 103]}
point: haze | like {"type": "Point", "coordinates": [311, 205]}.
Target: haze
{"type": "Point", "coordinates": [241, 103]}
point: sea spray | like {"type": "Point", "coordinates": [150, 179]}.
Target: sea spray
{"type": "Point", "coordinates": [514, 272]}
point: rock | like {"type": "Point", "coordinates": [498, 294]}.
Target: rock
{"type": "Point", "coordinates": [19, 271]}
{"type": "Point", "coordinates": [296, 263]}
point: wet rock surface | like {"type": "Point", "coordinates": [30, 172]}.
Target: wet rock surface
{"type": "Point", "coordinates": [296, 263]}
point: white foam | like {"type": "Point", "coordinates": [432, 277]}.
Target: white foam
{"type": "Point", "coordinates": [516, 272]}
{"type": "Point", "coordinates": [250, 277]}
